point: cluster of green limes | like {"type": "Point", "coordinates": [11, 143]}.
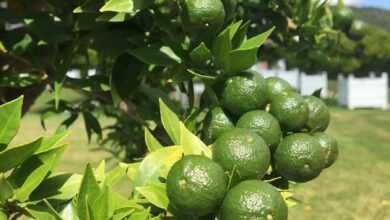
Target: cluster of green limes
{"type": "Point", "coordinates": [263, 135]}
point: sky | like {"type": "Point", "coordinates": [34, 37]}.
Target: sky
{"type": "Point", "coordinates": [373, 3]}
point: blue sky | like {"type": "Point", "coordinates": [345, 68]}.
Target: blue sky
{"type": "Point", "coordinates": [374, 3]}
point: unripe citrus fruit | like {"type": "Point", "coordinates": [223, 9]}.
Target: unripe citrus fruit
{"type": "Point", "coordinates": [254, 200]}
{"type": "Point", "coordinates": [277, 86]}
{"type": "Point", "coordinates": [242, 151]}
{"type": "Point", "coordinates": [264, 124]}
{"type": "Point", "coordinates": [319, 116]}
{"type": "Point", "coordinates": [217, 122]}
{"type": "Point", "coordinates": [329, 144]}
{"type": "Point", "coordinates": [196, 185]}
{"type": "Point", "coordinates": [291, 111]}
{"type": "Point", "coordinates": [244, 92]}
{"type": "Point", "coordinates": [299, 157]}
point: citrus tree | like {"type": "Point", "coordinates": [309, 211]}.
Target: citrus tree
{"type": "Point", "coordinates": [242, 175]}
{"type": "Point", "coordinates": [142, 51]}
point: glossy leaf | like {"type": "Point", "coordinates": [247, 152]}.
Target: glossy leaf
{"type": "Point", "coordinates": [59, 187]}
{"type": "Point", "coordinates": [192, 144]}
{"type": "Point", "coordinates": [157, 55]}
{"type": "Point", "coordinates": [102, 208]}
{"type": "Point", "coordinates": [15, 156]}
{"type": "Point", "coordinates": [32, 172]}
{"type": "Point", "coordinates": [151, 142]}
{"type": "Point", "coordinates": [140, 215]}
{"type": "Point", "coordinates": [155, 193]}
{"type": "Point", "coordinates": [6, 190]}
{"type": "Point", "coordinates": [10, 114]}
{"type": "Point", "coordinates": [200, 54]}
{"type": "Point", "coordinates": [51, 142]}
{"type": "Point", "coordinates": [89, 190]}
{"type": "Point", "coordinates": [170, 122]}
{"type": "Point", "coordinates": [127, 6]}
{"type": "Point", "coordinates": [157, 164]}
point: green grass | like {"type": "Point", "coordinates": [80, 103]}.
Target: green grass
{"type": "Point", "coordinates": [356, 187]}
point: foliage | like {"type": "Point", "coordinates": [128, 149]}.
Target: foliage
{"type": "Point", "coordinates": [141, 52]}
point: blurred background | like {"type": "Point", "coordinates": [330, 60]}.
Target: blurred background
{"type": "Point", "coordinates": [64, 65]}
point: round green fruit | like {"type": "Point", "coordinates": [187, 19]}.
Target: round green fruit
{"type": "Point", "coordinates": [319, 116]}
{"type": "Point", "coordinates": [196, 185]}
{"type": "Point", "coordinates": [216, 124]}
{"type": "Point", "coordinates": [277, 86]}
{"type": "Point", "coordinates": [291, 111]}
{"type": "Point", "coordinates": [244, 92]}
{"type": "Point", "coordinates": [299, 157]}
{"type": "Point", "coordinates": [253, 200]}
{"type": "Point", "coordinates": [202, 15]}
{"type": "Point", "coordinates": [329, 144]}
{"type": "Point", "coordinates": [244, 152]}
{"type": "Point", "coordinates": [343, 18]}
{"type": "Point", "coordinates": [264, 124]}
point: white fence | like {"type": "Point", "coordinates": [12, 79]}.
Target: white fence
{"type": "Point", "coordinates": [310, 83]}
{"type": "Point", "coordinates": [368, 92]}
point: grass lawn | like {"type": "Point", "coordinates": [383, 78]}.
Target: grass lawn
{"type": "Point", "coordinates": [356, 187]}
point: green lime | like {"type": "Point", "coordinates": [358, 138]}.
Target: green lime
{"type": "Point", "coordinates": [291, 111]}
{"type": "Point", "coordinates": [244, 152]}
{"type": "Point", "coordinates": [216, 123]}
{"type": "Point", "coordinates": [343, 18]}
{"type": "Point", "coordinates": [202, 15]}
{"type": "Point", "coordinates": [299, 157]}
{"type": "Point", "coordinates": [329, 143]}
{"type": "Point", "coordinates": [264, 124]}
{"type": "Point", "coordinates": [358, 29]}
{"type": "Point", "coordinates": [196, 185]}
{"type": "Point", "coordinates": [319, 116]}
{"type": "Point", "coordinates": [277, 86]}
{"type": "Point", "coordinates": [253, 200]}
{"type": "Point", "coordinates": [243, 93]}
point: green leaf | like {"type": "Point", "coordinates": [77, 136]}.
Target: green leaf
{"type": "Point", "coordinates": [89, 190]}
{"type": "Point", "coordinates": [113, 17]}
{"type": "Point", "coordinates": [156, 194]}
{"type": "Point", "coordinates": [114, 175]}
{"type": "Point", "coordinates": [41, 211]}
{"type": "Point", "coordinates": [257, 41]}
{"type": "Point", "coordinates": [92, 125]}
{"type": "Point", "coordinates": [192, 144]}
{"type": "Point", "coordinates": [240, 36]}
{"type": "Point", "coordinates": [140, 215]}
{"type": "Point", "coordinates": [102, 208]}
{"type": "Point", "coordinates": [200, 54]}
{"type": "Point", "coordinates": [245, 56]}
{"type": "Point", "coordinates": [170, 122]}
{"type": "Point", "coordinates": [6, 190]}
{"type": "Point", "coordinates": [32, 172]}
{"type": "Point", "coordinates": [132, 170]}
{"type": "Point", "coordinates": [127, 6]}
{"type": "Point", "coordinates": [51, 142]}
{"type": "Point", "coordinates": [89, 6]}
{"type": "Point", "coordinates": [59, 187]}
{"type": "Point", "coordinates": [157, 164]}
{"type": "Point", "coordinates": [13, 157]}
{"type": "Point", "coordinates": [221, 47]}
{"type": "Point", "coordinates": [317, 93]}
{"type": "Point", "coordinates": [151, 142]}
{"type": "Point", "coordinates": [157, 55]}
{"type": "Point", "coordinates": [10, 114]}
{"type": "Point", "coordinates": [2, 48]}
{"type": "Point", "coordinates": [124, 78]}
{"type": "Point", "coordinates": [57, 93]}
